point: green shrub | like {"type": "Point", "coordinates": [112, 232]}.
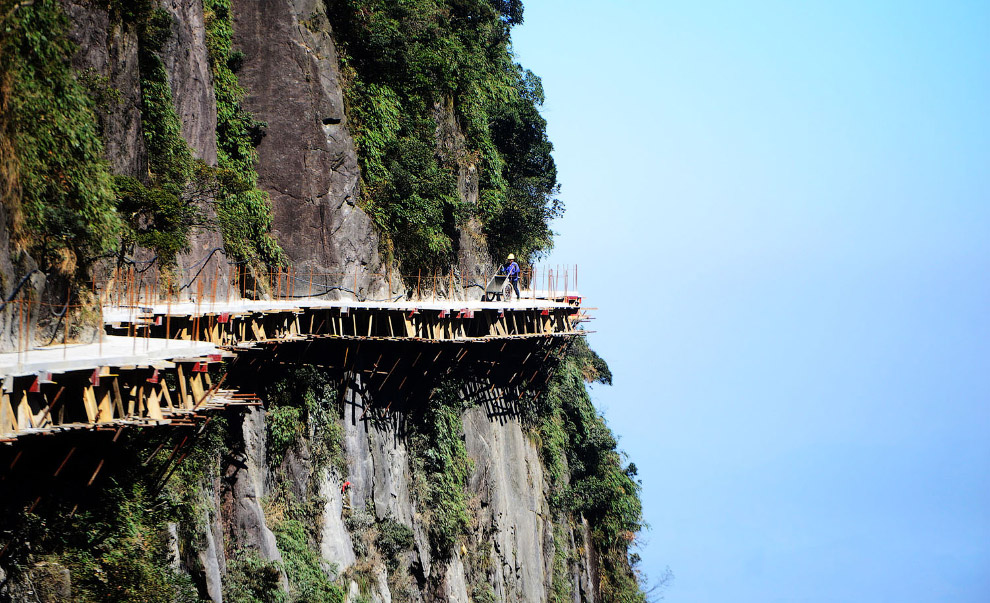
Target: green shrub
{"type": "Point", "coordinates": [307, 581]}
{"type": "Point", "coordinates": [119, 553]}
{"type": "Point", "coordinates": [393, 539]}
{"type": "Point", "coordinates": [114, 539]}
{"type": "Point", "coordinates": [562, 588]}
{"type": "Point", "coordinates": [361, 527]}
{"type": "Point", "coordinates": [403, 60]}
{"type": "Point", "coordinates": [54, 182]}
{"type": "Point", "coordinates": [285, 424]}
{"type": "Point", "coordinates": [157, 217]}
{"type": "Point", "coordinates": [585, 471]}
{"type": "Point", "coordinates": [251, 579]}
{"type": "Point", "coordinates": [484, 593]}
{"type": "Point", "coordinates": [300, 400]}
{"type": "Point", "coordinates": [441, 468]}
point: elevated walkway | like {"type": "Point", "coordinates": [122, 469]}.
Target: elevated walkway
{"type": "Point", "coordinates": [248, 323]}
{"type": "Point", "coordinates": [115, 383]}
{"type": "Point", "coordinates": [165, 362]}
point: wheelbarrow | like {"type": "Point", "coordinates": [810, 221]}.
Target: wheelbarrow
{"type": "Point", "coordinates": [498, 288]}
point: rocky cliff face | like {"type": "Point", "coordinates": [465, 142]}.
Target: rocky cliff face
{"type": "Point", "coordinates": [308, 165]}
{"type": "Point", "coordinates": [306, 161]}
{"type": "Point", "coordinates": [507, 556]}
{"type": "Point", "coordinates": [108, 50]}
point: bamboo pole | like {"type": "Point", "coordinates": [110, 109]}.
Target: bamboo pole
{"type": "Point", "coordinates": [68, 322]}
{"type": "Point", "coordinates": [213, 289]}
{"type": "Point", "coordinates": [20, 328]}
{"type": "Point", "coordinates": [168, 317]}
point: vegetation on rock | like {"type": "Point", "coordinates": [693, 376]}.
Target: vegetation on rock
{"type": "Point", "coordinates": [303, 414]}
{"type": "Point", "coordinates": [403, 62]}
{"type": "Point", "coordinates": [296, 533]}
{"type": "Point", "coordinates": [66, 207]}
{"type": "Point", "coordinates": [159, 214]}
{"type": "Point", "coordinates": [161, 218]}
{"type": "Point", "coordinates": [441, 467]}
{"type": "Point", "coordinates": [586, 473]}
{"type": "Point", "coordinates": [114, 540]}
{"type": "Point", "coordinates": [244, 211]}
{"type": "Point", "coordinates": [54, 183]}
{"type": "Point", "coordinates": [251, 579]}
{"type": "Point", "coordinates": [302, 405]}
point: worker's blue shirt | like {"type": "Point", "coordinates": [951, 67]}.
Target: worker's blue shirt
{"type": "Point", "coordinates": [513, 271]}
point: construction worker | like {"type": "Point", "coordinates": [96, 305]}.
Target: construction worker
{"type": "Point", "coordinates": [512, 269]}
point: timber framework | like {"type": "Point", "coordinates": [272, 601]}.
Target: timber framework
{"type": "Point", "coordinates": [166, 363]}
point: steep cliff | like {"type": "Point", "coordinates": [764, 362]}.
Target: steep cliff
{"type": "Point", "coordinates": [307, 160]}
{"type": "Point", "coordinates": [291, 133]}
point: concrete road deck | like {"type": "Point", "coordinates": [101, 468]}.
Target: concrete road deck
{"type": "Point", "coordinates": [114, 351]}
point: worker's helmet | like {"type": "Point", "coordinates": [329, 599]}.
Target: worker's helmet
{"type": "Point", "coordinates": [511, 256]}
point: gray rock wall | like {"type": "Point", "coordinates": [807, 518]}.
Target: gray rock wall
{"type": "Point", "coordinates": [111, 52]}
{"type": "Point", "coordinates": [306, 161]}
{"type": "Point", "coordinates": [108, 55]}
{"type": "Point", "coordinates": [514, 519]}
{"type": "Point", "coordinates": [336, 546]}
{"type": "Point", "coordinates": [511, 546]}
{"type": "Point", "coordinates": [472, 248]}
{"type": "Point", "coordinates": [187, 63]}
{"type": "Point", "coordinates": [14, 268]}
{"type": "Point", "coordinates": [246, 478]}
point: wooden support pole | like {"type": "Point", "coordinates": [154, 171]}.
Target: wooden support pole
{"type": "Point", "coordinates": [167, 396]}
{"type": "Point", "coordinates": [17, 457]}
{"type": "Point", "coordinates": [64, 461]}
{"type": "Point", "coordinates": [89, 403]}
{"type": "Point", "coordinates": [196, 386]}
{"type": "Point", "coordinates": [95, 473]}
{"type": "Point", "coordinates": [182, 386]}
{"type": "Point", "coordinates": [48, 407]}
{"type": "Point", "coordinates": [118, 400]}
{"type": "Point", "coordinates": [152, 455]}
{"type": "Point", "coordinates": [105, 405]}
{"type": "Point", "coordinates": [389, 374]}
{"type": "Point", "coordinates": [8, 420]}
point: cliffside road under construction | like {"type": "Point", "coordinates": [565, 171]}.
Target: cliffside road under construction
{"type": "Point", "coordinates": [118, 382]}
{"type": "Point", "coordinates": [166, 363]}
{"type": "Point", "coordinates": [244, 324]}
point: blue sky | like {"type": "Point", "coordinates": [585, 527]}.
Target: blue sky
{"type": "Point", "coordinates": [782, 211]}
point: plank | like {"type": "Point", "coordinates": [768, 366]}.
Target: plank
{"type": "Point", "coordinates": [105, 407]}
{"type": "Point", "coordinates": [196, 384]}
{"type": "Point", "coordinates": [24, 415]}
{"type": "Point", "coordinates": [135, 398]}
{"type": "Point", "coordinates": [183, 403]}
{"type": "Point", "coordinates": [118, 400]}
{"type": "Point", "coordinates": [89, 402]}
{"type": "Point", "coordinates": [154, 404]}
